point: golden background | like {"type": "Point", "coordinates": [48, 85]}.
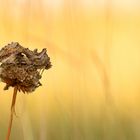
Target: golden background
{"type": "Point", "coordinates": [92, 90]}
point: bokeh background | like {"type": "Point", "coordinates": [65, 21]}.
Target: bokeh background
{"type": "Point", "coordinates": [92, 92]}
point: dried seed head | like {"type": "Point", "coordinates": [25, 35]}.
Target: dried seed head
{"type": "Point", "coordinates": [21, 67]}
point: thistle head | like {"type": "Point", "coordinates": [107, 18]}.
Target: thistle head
{"type": "Point", "coordinates": [21, 67]}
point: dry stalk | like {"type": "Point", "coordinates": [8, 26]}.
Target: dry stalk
{"type": "Point", "coordinates": [12, 113]}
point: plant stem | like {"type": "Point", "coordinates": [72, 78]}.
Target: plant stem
{"type": "Point", "coordinates": [12, 113]}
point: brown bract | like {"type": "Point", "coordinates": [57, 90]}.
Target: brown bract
{"type": "Point", "coordinates": [21, 67]}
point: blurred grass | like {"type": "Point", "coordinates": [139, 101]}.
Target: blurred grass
{"type": "Point", "coordinates": [94, 48]}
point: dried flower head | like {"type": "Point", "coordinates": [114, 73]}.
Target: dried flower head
{"type": "Point", "coordinates": [22, 67]}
